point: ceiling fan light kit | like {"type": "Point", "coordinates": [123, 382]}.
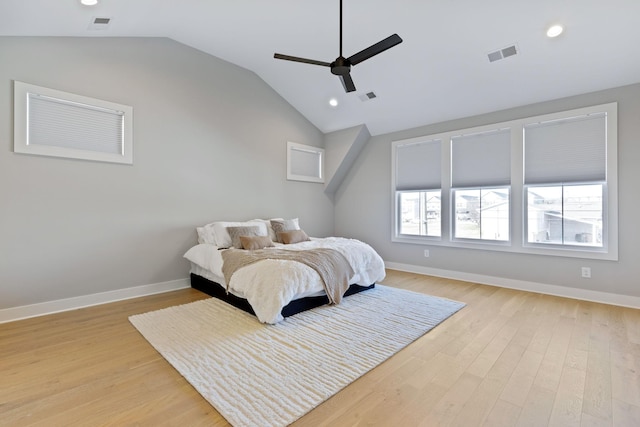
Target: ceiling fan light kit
{"type": "Point", "coordinates": [341, 67]}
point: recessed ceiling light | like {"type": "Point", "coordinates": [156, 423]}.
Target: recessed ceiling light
{"type": "Point", "coordinates": [89, 2]}
{"type": "Point", "coordinates": [333, 102]}
{"type": "Point", "coordinates": [554, 31]}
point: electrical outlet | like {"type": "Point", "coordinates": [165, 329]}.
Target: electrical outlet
{"type": "Point", "coordinates": [426, 253]}
{"type": "Point", "coordinates": [586, 272]}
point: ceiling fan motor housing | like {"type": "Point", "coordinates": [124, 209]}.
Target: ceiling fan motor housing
{"type": "Point", "coordinates": [340, 66]}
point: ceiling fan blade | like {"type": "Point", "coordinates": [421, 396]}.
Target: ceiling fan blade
{"type": "Point", "coordinates": [375, 49]}
{"type": "Point", "coordinates": [347, 82]}
{"type": "Point", "coordinates": [303, 60]}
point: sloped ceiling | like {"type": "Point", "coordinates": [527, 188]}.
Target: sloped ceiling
{"type": "Point", "coordinates": [440, 72]}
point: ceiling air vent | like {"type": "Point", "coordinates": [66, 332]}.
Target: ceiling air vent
{"type": "Point", "coordinates": [503, 53]}
{"type": "Point", "coordinates": [98, 23]}
{"type": "Point", "coordinates": [367, 96]}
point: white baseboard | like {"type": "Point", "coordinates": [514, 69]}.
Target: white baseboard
{"type": "Point", "coordinates": [541, 288]}
{"type": "Point", "coordinates": [49, 307]}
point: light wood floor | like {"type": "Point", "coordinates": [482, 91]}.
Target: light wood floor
{"type": "Point", "coordinates": [509, 358]}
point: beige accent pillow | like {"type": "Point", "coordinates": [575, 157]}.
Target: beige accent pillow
{"type": "Point", "coordinates": [279, 225]}
{"type": "Point", "coordinates": [293, 236]}
{"type": "Point", "coordinates": [251, 243]}
{"type": "Point", "coordinates": [236, 232]}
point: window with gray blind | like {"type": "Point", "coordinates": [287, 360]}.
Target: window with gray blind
{"type": "Point", "coordinates": [565, 176]}
{"type": "Point", "coordinates": [561, 167]}
{"type": "Point", "coordinates": [54, 123]}
{"type": "Point", "coordinates": [480, 180]}
{"type": "Point", "coordinates": [418, 175]}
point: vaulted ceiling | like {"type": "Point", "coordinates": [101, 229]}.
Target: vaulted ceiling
{"type": "Point", "coordinates": [441, 71]}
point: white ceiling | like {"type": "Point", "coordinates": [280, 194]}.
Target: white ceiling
{"type": "Point", "coordinates": [440, 71]}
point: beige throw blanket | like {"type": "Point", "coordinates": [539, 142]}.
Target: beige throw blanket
{"type": "Point", "coordinates": [331, 265]}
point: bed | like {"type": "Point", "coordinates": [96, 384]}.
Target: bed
{"type": "Point", "coordinates": [272, 288]}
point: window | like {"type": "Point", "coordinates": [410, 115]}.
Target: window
{"type": "Point", "coordinates": [305, 163]}
{"type": "Point", "coordinates": [417, 188]}
{"type": "Point", "coordinates": [565, 173]}
{"type": "Point", "coordinates": [49, 122]}
{"type": "Point", "coordinates": [480, 178]}
{"type": "Point", "coordinates": [543, 185]}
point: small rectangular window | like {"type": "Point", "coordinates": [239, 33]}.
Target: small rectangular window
{"type": "Point", "coordinates": [50, 122]}
{"type": "Point", "coordinates": [305, 163]}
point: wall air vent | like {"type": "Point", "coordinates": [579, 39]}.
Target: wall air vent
{"type": "Point", "coordinates": [367, 96]}
{"type": "Point", "coordinates": [502, 53]}
{"type": "Point", "coordinates": [99, 23]}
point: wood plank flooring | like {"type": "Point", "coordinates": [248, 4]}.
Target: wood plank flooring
{"type": "Point", "coordinates": [509, 358]}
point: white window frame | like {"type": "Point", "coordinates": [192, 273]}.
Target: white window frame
{"type": "Point", "coordinates": [609, 249]}
{"type": "Point", "coordinates": [518, 206]}
{"type": "Point", "coordinates": [297, 171]}
{"type": "Point", "coordinates": [497, 175]}
{"type": "Point", "coordinates": [122, 126]}
{"type": "Point", "coordinates": [444, 196]}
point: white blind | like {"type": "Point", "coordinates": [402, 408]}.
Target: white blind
{"type": "Point", "coordinates": [60, 123]}
{"type": "Point", "coordinates": [482, 159]}
{"type": "Point", "coordinates": [306, 162]}
{"type": "Point", "coordinates": [567, 150]}
{"type": "Point", "coordinates": [418, 166]}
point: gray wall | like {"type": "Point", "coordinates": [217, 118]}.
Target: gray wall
{"type": "Point", "coordinates": [209, 144]}
{"type": "Point", "coordinates": [363, 207]}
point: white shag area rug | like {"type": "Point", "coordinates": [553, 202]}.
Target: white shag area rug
{"type": "Point", "coordinates": [270, 375]}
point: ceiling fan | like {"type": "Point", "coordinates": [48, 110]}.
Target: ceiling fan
{"type": "Point", "coordinates": [342, 66]}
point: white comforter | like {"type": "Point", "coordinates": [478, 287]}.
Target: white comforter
{"type": "Point", "coordinates": [269, 285]}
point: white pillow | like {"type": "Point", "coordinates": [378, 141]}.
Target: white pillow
{"type": "Point", "coordinates": [206, 234]}
{"type": "Point", "coordinates": [223, 240]}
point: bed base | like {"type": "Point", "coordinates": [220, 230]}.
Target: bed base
{"type": "Point", "coordinates": [296, 306]}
